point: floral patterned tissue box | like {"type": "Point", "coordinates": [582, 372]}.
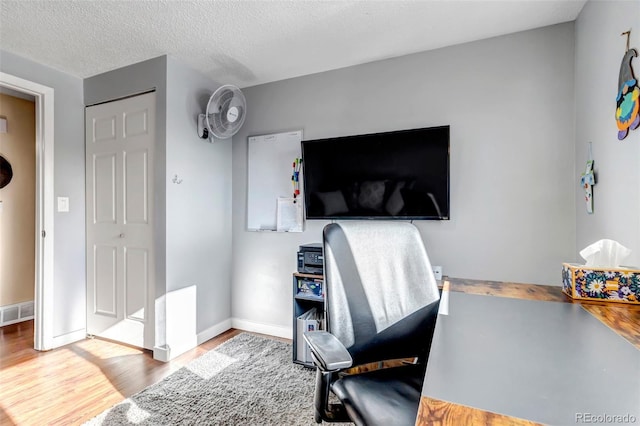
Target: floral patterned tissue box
{"type": "Point", "coordinates": [601, 284]}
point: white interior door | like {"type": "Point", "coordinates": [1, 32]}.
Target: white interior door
{"type": "Point", "coordinates": [120, 138]}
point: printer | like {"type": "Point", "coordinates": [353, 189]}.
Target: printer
{"type": "Point", "coordinates": [310, 259]}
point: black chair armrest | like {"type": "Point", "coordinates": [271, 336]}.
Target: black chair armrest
{"type": "Point", "coordinates": [328, 352]}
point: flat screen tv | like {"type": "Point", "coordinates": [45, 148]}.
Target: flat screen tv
{"type": "Point", "coordinates": [394, 175]}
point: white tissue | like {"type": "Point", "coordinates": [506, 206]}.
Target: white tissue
{"type": "Point", "coordinates": [605, 254]}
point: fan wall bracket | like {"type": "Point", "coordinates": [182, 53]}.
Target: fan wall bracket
{"type": "Point", "coordinates": [203, 131]}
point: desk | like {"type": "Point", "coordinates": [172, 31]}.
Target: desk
{"type": "Point", "coordinates": [505, 360]}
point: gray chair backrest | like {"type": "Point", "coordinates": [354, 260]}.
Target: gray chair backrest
{"type": "Point", "coordinates": [380, 289]}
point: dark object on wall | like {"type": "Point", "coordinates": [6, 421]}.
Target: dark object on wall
{"type": "Point", "coordinates": [6, 172]}
{"type": "Point", "coordinates": [628, 99]}
{"type": "Point", "coordinates": [393, 175]}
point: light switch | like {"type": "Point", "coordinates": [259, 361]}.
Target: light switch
{"type": "Point", "coordinates": [63, 204]}
{"type": "Point", "coordinates": [0, 206]}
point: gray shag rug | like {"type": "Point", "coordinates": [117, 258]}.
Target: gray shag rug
{"type": "Point", "coordinates": [248, 380]}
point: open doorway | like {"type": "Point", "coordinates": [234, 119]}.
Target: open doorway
{"type": "Point", "coordinates": [17, 206]}
{"type": "Point", "coordinates": [44, 204]}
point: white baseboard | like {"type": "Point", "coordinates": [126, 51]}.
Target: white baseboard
{"type": "Point", "coordinates": [168, 352]}
{"type": "Point", "coordinates": [65, 339]}
{"type": "Point", "coordinates": [178, 348]}
{"type": "Point", "coordinates": [256, 327]}
{"type": "Point", "coordinates": [213, 331]}
{"type": "Point", "coordinates": [161, 353]}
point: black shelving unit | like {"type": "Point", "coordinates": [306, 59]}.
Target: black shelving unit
{"type": "Point", "coordinates": [303, 302]}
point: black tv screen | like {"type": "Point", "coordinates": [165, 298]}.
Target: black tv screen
{"type": "Point", "coordinates": [393, 175]}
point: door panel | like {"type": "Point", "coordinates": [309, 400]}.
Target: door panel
{"type": "Point", "coordinates": [136, 123]}
{"type": "Point", "coordinates": [137, 273]}
{"type": "Point", "coordinates": [135, 187]}
{"type": "Point", "coordinates": [104, 129]}
{"type": "Point", "coordinates": [104, 187]}
{"type": "Point", "coordinates": [104, 281]}
{"type": "Point", "coordinates": [120, 141]}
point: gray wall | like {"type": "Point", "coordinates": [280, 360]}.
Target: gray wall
{"type": "Point", "coordinates": [69, 257]}
{"type": "Point", "coordinates": [509, 101]}
{"type": "Point", "coordinates": [133, 79]}
{"type": "Point", "coordinates": [599, 51]}
{"type": "Point", "coordinates": [193, 218]}
{"type": "Point", "coordinates": [198, 209]}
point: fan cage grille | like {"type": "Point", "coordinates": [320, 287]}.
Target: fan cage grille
{"type": "Point", "coordinates": [224, 98]}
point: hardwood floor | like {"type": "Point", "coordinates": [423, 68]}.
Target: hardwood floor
{"type": "Point", "coordinates": [74, 383]}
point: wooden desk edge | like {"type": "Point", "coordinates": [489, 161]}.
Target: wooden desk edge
{"type": "Point", "coordinates": [441, 413]}
{"type": "Point", "coordinates": [624, 319]}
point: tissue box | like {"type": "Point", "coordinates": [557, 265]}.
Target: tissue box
{"type": "Point", "coordinates": [601, 284]}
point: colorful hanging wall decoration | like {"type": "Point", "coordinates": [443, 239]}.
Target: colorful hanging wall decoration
{"type": "Point", "coordinates": [587, 180]}
{"type": "Point", "coordinates": [628, 99]}
{"type": "Point", "coordinates": [295, 177]}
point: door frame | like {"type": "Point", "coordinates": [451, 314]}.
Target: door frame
{"type": "Point", "coordinates": [44, 279]}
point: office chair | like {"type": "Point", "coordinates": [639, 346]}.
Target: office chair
{"type": "Point", "coordinates": [381, 304]}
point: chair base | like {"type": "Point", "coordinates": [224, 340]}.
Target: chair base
{"type": "Point", "coordinates": [323, 409]}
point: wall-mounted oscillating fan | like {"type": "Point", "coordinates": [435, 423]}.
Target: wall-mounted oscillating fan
{"type": "Point", "coordinates": [226, 111]}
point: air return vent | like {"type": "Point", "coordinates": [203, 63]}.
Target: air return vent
{"type": "Point", "coordinates": [19, 312]}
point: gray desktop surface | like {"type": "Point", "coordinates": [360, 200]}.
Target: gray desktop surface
{"type": "Point", "coordinates": [541, 361]}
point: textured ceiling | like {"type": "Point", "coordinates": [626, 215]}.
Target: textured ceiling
{"type": "Point", "coordinates": [252, 42]}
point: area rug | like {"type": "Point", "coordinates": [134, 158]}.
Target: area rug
{"type": "Point", "coordinates": [248, 380]}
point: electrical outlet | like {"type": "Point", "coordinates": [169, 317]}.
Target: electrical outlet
{"type": "Point", "coordinates": [437, 272]}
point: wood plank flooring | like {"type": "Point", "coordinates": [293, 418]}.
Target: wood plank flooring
{"type": "Point", "coordinates": [74, 383]}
